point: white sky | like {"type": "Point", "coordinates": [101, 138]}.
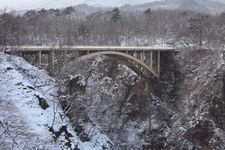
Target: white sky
{"type": "Point", "coordinates": [32, 4]}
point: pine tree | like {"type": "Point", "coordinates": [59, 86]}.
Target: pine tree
{"type": "Point", "coordinates": [116, 15]}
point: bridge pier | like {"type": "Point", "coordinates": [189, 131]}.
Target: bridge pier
{"type": "Point", "coordinates": [21, 54]}
{"type": "Point", "coordinates": [36, 58]}
{"type": "Point", "coordinates": [151, 59]}
{"type": "Point", "coordinates": [39, 57]}
{"type": "Point", "coordinates": [51, 58]}
{"type": "Point", "coordinates": [158, 63]}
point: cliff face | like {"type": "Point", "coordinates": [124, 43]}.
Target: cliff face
{"type": "Point", "coordinates": [184, 108]}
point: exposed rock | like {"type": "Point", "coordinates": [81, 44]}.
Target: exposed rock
{"type": "Point", "coordinates": [42, 102]}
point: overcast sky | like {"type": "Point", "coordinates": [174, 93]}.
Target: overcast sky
{"type": "Point", "coordinates": [32, 4]}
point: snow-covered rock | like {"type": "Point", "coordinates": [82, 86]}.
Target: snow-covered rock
{"type": "Point", "coordinates": [30, 113]}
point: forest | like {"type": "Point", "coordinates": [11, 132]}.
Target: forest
{"type": "Point", "coordinates": [111, 27]}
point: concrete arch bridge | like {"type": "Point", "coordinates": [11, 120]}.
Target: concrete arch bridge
{"type": "Point", "coordinates": [143, 60]}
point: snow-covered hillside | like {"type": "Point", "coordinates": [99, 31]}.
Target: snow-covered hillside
{"type": "Point", "coordinates": [209, 6]}
{"type": "Point", "coordinates": [29, 4]}
{"type": "Point", "coordinates": [205, 6]}
{"type": "Point", "coordinates": [30, 116]}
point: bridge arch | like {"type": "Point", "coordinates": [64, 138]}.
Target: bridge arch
{"type": "Point", "coordinates": [134, 63]}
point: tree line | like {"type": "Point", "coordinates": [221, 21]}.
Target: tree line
{"type": "Point", "coordinates": [111, 27]}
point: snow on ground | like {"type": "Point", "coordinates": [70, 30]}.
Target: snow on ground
{"type": "Point", "coordinates": [23, 122]}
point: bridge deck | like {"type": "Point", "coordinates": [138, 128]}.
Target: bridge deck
{"type": "Point", "coordinates": [91, 48]}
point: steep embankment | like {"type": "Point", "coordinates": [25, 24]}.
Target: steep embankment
{"type": "Point", "coordinates": [200, 98]}
{"type": "Point", "coordinates": [182, 109]}
{"type": "Point", "coordinates": [30, 114]}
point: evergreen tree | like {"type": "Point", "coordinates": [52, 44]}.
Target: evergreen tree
{"type": "Point", "coordinates": [116, 15]}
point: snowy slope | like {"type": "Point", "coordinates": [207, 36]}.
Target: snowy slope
{"type": "Point", "coordinates": [26, 122]}
{"type": "Point", "coordinates": [206, 6]}
{"type": "Point", "coordinates": [31, 4]}
{"type": "Point", "coordinates": [47, 4]}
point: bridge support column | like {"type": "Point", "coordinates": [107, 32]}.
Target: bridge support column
{"type": "Point", "coordinates": [158, 64]}
{"type": "Point", "coordinates": [139, 55]}
{"type": "Point", "coordinates": [151, 59]}
{"type": "Point", "coordinates": [39, 58]}
{"type": "Point", "coordinates": [51, 60]}
{"type": "Point", "coordinates": [135, 54]}
{"type": "Point", "coordinates": [143, 56]}
{"type": "Point", "coordinates": [36, 58]}
{"type": "Point", "coordinates": [21, 54]}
